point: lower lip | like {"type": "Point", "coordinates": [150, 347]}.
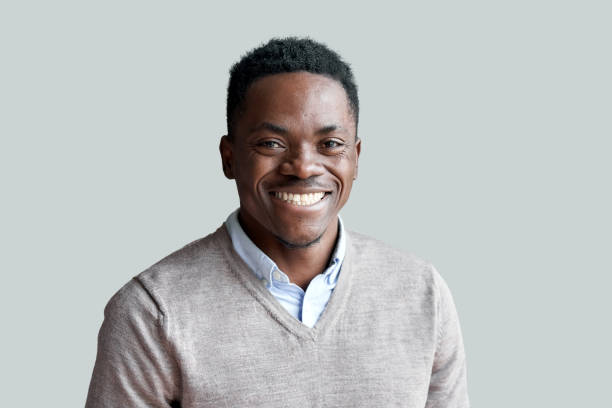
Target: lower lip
{"type": "Point", "coordinates": [287, 204]}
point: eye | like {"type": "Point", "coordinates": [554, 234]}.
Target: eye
{"type": "Point", "coordinates": [332, 144]}
{"type": "Point", "coordinates": [270, 144]}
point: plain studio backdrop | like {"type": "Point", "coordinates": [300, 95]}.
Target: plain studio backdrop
{"type": "Point", "coordinates": [486, 133]}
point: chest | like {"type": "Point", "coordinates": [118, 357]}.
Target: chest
{"type": "Point", "coordinates": [381, 354]}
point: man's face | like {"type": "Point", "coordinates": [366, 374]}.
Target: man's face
{"type": "Point", "coordinates": [294, 157]}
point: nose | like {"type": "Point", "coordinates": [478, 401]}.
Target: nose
{"type": "Point", "coordinates": [302, 163]}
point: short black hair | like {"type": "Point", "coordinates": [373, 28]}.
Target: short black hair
{"type": "Point", "coordinates": [281, 55]}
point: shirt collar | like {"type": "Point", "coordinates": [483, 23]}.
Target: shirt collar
{"type": "Point", "coordinates": [261, 265]}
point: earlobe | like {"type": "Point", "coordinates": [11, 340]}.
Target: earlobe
{"type": "Point", "coordinates": [225, 149]}
{"type": "Point", "coordinates": [358, 151]}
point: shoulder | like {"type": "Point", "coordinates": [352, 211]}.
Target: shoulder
{"type": "Point", "coordinates": [192, 258]}
{"type": "Point", "coordinates": [397, 267]}
{"type": "Point", "coordinates": [193, 269]}
{"type": "Point", "coordinates": [131, 301]}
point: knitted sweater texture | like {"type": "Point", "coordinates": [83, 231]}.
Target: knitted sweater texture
{"type": "Point", "coordinates": [198, 329]}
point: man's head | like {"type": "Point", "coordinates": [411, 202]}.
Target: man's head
{"type": "Point", "coordinates": [291, 146]}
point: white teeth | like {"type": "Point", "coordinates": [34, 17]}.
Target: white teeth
{"type": "Point", "coordinates": [300, 199]}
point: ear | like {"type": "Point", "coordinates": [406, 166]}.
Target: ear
{"type": "Point", "coordinates": [358, 151]}
{"type": "Point", "coordinates": [226, 148]}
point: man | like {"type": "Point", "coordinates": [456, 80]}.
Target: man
{"type": "Point", "coordinates": [282, 306]}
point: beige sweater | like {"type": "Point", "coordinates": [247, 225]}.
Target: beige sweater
{"type": "Point", "coordinates": [198, 329]}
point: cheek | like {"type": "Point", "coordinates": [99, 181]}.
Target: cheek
{"type": "Point", "coordinates": [348, 177]}
{"type": "Point", "coordinates": [345, 170]}
{"type": "Point", "coordinates": [252, 171]}
{"type": "Point", "coordinates": [348, 186]}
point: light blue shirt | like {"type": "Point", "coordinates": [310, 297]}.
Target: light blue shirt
{"type": "Point", "coordinates": [306, 306]}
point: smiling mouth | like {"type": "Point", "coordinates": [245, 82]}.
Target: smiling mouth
{"type": "Point", "coordinates": [301, 200]}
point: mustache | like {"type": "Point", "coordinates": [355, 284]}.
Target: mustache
{"type": "Point", "coordinates": [295, 182]}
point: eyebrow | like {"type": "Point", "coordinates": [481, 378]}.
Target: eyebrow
{"type": "Point", "coordinates": [284, 131]}
{"type": "Point", "coordinates": [330, 128]}
{"type": "Point", "coordinates": [270, 127]}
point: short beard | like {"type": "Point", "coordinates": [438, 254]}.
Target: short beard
{"type": "Point", "coordinates": [292, 245]}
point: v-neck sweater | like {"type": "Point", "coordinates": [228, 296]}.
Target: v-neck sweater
{"type": "Point", "coordinates": [198, 329]}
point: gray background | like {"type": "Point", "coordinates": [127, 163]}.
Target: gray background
{"type": "Point", "coordinates": [486, 149]}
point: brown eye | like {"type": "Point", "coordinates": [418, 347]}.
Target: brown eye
{"type": "Point", "coordinates": [270, 144]}
{"type": "Point", "coordinates": [331, 144]}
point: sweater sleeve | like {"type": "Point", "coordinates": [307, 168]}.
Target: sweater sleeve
{"type": "Point", "coordinates": [448, 383]}
{"type": "Point", "coordinates": [134, 367]}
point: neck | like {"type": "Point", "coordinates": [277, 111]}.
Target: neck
{"type": "Point", "coordinates": [301, 264]}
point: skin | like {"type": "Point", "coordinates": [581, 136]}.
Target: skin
{"type": "Point", "coordinates": [295, 133]}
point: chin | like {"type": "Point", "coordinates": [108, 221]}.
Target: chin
{"type": "Point", "coordinates": [301, 243]}
{"type": "Point", "coordinates": [300, 238]}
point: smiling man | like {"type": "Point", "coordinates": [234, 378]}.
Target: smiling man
{"type": "Point", "coordinates": [281, 306]}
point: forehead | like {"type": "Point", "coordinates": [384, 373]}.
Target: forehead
{"type": "Point", "coordinates": [296, 98]}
